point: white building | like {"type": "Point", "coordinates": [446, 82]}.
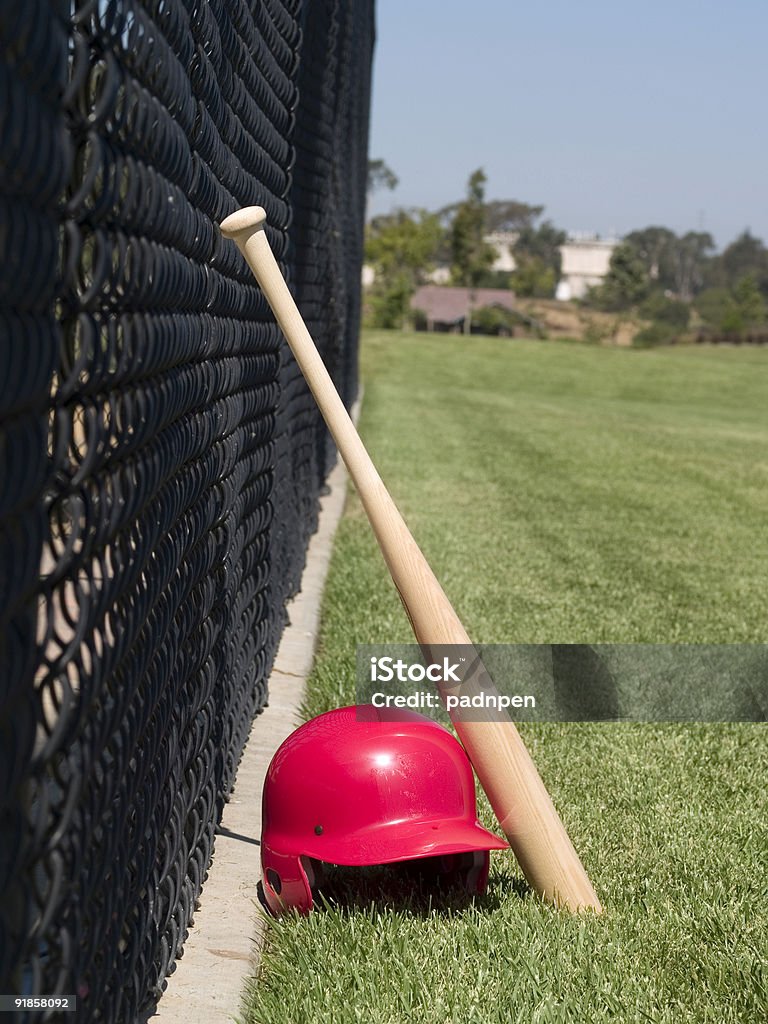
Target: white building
{"type": "Point", "coordinates": [503, 243]}
{"type": "Point", "coordinates": [585, 263]}
{"type": "Point", "coordinates": [585, 260]}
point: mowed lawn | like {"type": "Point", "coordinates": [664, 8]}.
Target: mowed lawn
{"type": "Point", "coordinates": [563, 494]}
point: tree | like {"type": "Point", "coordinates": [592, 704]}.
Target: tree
{"type": "Point", "coordinates": [749, 302]}
{"type": "Point", "coordinates": [675, 264]}
{"type": "Point", "coordinates": [626, 283]}
{"type": "Point", "coordinates": [401, 247]}
{"type": "Point", "coordinates": [691, 254]}
{"type": "Point", "coordinates": [669, 319]}
{"type": "Point", "coordinates": [713, 305]}
{"type": "Point", "coordinates": [500, 214]}
{"type": "Point", "coordinates": [656, 245]}
{"type": "Point", "coordinates": [543, 242]}
{"type": "Point", "coordinates": [746, 256]}
{"type": "Point", "coordinates": [536, 249]}
{"type": "Point", "coordinates": [538, 259]}
{"type": "Point", "coordinates": [510, 215]}
{"type": "Point", "coordinates": [471, 256]}
{"type": "Point", "coordinates": [380, 175]}
{"type": "Point", "coordinates": [733, 310]}
{"type": "Point", "coordinates": [532, 278]}
{"type": "Point", "coordinates": [745, 309]}
{"type": "Point", "coordinates": [663, 310]}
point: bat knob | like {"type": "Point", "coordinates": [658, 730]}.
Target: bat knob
{"type": "Point", "coordinates": [241, 223]}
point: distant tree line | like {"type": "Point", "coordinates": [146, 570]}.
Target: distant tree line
{"type": "Point", "coordinates": [668, 279]}
{"type": "Point", "coordinates": [404, 247]}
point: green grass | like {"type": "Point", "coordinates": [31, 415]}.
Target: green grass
{"type": "Point", "coordinates": [563, 494]}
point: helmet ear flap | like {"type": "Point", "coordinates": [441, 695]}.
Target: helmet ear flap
{"type": "Point", "coordinates": [286, 882]}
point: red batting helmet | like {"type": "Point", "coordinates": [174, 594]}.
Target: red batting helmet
{"type": "Point", "coordinates": [350, 787]}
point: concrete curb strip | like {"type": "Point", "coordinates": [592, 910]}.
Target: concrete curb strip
{"type": "Point", "coordinates": [222, 947]}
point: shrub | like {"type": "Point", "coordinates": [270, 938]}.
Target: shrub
{"type": "Point", "coordinates": [663, 310]}
{"type": "Point", "coordinates": [595, 331]}
{"type": "Point", "coordinates": [493, 320]}
{"type": "Point", "coordinates": [419, 319]}
{"type": "Point", "coordinates": [656, 334]}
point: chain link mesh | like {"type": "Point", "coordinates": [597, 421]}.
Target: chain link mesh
{"type": "Point", "coordinates": [160, 455]}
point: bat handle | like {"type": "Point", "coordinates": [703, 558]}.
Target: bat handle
{"type": "Point", "coordinates": [246, 228]}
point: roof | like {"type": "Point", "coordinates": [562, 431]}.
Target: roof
{"type": "Point", "coordinates": [450, 305]}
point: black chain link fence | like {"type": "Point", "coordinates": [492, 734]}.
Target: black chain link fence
{"type": "Point", "coordinates": [160, 456]}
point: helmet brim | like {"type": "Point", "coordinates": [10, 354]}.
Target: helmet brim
{"type": "Point", "coordinates": [402, 841]}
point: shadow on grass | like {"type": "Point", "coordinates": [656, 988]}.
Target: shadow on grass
{"type": "Point", "coordinates": [413, 888]}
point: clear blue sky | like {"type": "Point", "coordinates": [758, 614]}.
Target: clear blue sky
{"type": "Point", "coordinates": [614, 115]}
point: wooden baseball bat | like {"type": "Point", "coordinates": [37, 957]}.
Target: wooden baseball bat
{"type": "Point", "coordinates": [503, 765]}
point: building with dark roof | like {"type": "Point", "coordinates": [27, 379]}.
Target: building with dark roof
{"type": "Point", "coordinates": [450, 309]}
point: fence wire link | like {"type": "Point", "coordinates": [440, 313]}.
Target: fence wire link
{"type": "Point", "coordinates": [160, 454]}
